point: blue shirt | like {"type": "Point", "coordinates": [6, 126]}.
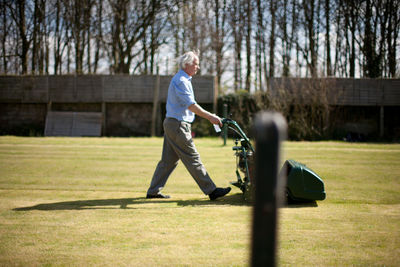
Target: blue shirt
{"type": "Point", "coordinates": [180, 97]}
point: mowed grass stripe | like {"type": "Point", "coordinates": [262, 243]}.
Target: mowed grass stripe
{"type": "Point", "coordinates": [81, 201]}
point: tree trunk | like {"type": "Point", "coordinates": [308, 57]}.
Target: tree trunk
{"type": "Point", "coordinates": [99, 34]}
{"type": "Point", "coordinates": [393, 33]}
{"type": "Point", "coordinates": [4, 36]}
{"type": "Point", "coordinates": [311, 55]}
{"type": "Point", "coordinates": [273, 8]}
{"type": "Point", "coordinates": [88, 24]}
{"type": "Point", "coordinates": [327, 38]}
{"type": "Point", "coordinates": [353, 14]}
{"type": "Point", "coordinates": [35, 46]}
{"type": "Point", "coordinates": [248, 43]}
{"type": "Point", "coordinates": [371, 67]}
{"type": "Point", "coordinates": [23, 35]}
{"type": "Point", "coordinates": [219, 35]}
{"type": "Point", "coordinates": [236, 21]}
{"type": "Point", "coordinates": [259, 45]}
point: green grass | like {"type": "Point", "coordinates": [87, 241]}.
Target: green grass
{"type": "Point", "coordinates": [80, 202]}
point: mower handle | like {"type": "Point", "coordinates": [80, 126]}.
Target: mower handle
{"type": "Point", "coordinates": [230, 122]}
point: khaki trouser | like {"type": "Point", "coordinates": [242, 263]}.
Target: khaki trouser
{"type": "Point", "coordinates": [178, 144]}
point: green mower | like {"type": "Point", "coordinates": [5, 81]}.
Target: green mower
{"type": "Point", "coordinates": [302, 184]}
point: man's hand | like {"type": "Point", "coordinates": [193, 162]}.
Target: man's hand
{"type": "Point", "coordinates": [214, 119]}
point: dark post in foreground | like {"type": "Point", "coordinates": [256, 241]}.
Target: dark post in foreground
{"type": "Point", "coordinates": [270, 131]}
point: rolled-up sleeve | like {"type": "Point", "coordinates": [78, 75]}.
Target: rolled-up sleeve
{"type": "Point", "coordinates": [184, 93]}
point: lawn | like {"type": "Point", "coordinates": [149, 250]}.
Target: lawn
{"type": "Point", "coordinates": [80, 202]}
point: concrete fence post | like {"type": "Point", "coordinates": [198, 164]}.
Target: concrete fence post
{"type": "Point", "coordinates": [156, 104]}
{"type": "Point", "coordinates": [270, 131]}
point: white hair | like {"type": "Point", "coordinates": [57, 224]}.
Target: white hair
{"type": "Point", "coordinates": [187, 58]}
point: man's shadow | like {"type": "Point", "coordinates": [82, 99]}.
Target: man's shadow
{"type": "Point", "coordinates": [124, 203]}
{"type": "Point", "coordinates": [130, 203]}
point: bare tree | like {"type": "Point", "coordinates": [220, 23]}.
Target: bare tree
{"type": "Point", "coordinates": [338, 65]}
{"type": "Point", "coordinates": [327, 37]}
{"type": "Point", "coordinates": [351, 12]}
{"type": "Point", "coordinates": [130, 21]}
{"type": "Point", "coordinates": [18, 12]}
{"type": "Point", "coordinates": [372, 67]}
{"type": "Point", "coordinates": [219, 35]}
{"type": "Point", "coordinates": [286, 37]}
{"type": "Point", "coordinates": [37, 20]}
{"type": "Point", "coordinates": [363, 35]}
{"type": "Point", "coordinates": [159, 19]}
{"type": "Point", "coordinates": [57, 30]}
{"type": "Point", "coordinates": [4, 34]}
{"type": "Point", "coordinates": [310, 51]}
{"type": "Point", "coordinates": [87, 19]}
{"type": "Point", "coordinates": [294, 32]}
{"type": "Point", "coordinates": [248, 33]}
{"type": "Point", "coordinates": [236, 20]}
{"type": "Point", "coordinates": [272, 9]}
{"type": "Point", "coordinates": [98, 29]}
{"type": "Point", "coordinates": [176, 27]}
{"type": "Point", "coordinates": [76, 13]}
{"type": "Point", "coordinates": [261, 53]}
{"type": "Point", "coordinates": [393, 30]}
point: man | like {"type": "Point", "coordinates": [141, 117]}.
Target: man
{"type": "Point", "coordinates": [178, 144]}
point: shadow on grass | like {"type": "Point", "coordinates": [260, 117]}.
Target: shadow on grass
{"type": "Point", "coordinates": [123, 203]}
{"type": "Point", "coordinates": [309, 204]}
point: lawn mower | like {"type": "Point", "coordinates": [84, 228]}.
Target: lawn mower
{"type": "Point", "coordinates": [244, 153]}
{"type": "Point", "coordinates": [302, 184]}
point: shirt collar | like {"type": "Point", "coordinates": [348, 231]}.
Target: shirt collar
{"type": "Point", "coordinates": [183, 73]}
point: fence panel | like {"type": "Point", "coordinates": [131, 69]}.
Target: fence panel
{"type": "Point", "coordinates": [73, 124]}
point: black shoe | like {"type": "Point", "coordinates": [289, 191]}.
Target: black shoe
{"type": "Point", "coordinates": [219, 192]}
{"type": "Point", "coordinates": [159, 195]}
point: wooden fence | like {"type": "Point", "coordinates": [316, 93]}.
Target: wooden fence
{"type": "Point", "coordinates": [130, 105]}
{"type": "Point", "coordinates": [345, 92]}
{"type": "Point", "coordinates": [125, 104]}
{"type": "Point", "coordinates": [95, 89]}
{"type": "Point", "coordinates": [379, 94]}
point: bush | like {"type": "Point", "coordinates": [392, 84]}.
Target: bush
{"type": "Point", "coordinates": [304, 105]}
{"type": "Point", "coordinates": [202, 127]}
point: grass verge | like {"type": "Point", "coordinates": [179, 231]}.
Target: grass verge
{"type": "Point", "coordinates": [80, 201]}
